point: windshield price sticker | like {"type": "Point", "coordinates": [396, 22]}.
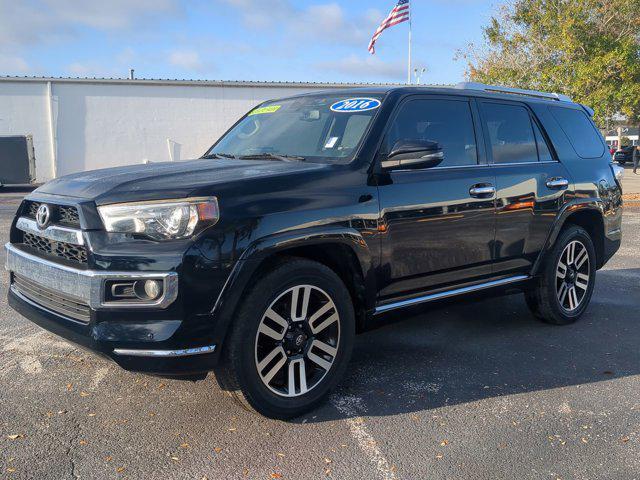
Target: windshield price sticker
{"type": "Point", "coordinates": [267, 109]}
{"type": "Point", "coordinates": [355, 105]}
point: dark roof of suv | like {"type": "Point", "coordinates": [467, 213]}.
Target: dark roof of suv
{"type": "Point", "coordinates": [439, 90]}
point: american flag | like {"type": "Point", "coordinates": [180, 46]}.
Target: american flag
{"type": "Point", "coordinates": [399, 14]}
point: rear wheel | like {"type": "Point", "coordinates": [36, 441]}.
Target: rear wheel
{"type": "Point", "coordinates": [290, 342]}
{"type": "Point", "coordinates": [563, 291]}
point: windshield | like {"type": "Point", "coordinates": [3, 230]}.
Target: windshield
{"type": "Point", "coordinates": [325, 128]}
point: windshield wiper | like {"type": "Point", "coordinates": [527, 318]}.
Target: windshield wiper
{"type": "Point", "coordinates": [272, 156]}
{"type": "Point", "coordinates": [219, 155]}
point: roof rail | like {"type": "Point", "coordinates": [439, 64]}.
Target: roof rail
{"type": "Point", "coordinates": [514, 91]}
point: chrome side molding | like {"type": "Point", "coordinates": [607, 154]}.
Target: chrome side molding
{"type": "Point", "coordinates": [53, 232]}
{"type": "Point", "coordinates": [449, 293]}
{"type": "Point", "coordinates": [165, 353]}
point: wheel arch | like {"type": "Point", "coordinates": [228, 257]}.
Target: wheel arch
{"type": "Point", "coordinates": [342, 250]}
{"type": "Point", "coordinates": [588, 215]}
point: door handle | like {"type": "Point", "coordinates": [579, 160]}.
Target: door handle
{"type": "Point", "coordinates": [557, 183]}
{"type": "Point", "coordinates": [482, 191]}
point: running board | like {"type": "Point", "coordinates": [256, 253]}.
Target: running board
{"type": "Point", "coordinates": [449, 293]}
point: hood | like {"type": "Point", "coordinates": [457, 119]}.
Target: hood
{"type": "Point", "coordinates": [155, 181]}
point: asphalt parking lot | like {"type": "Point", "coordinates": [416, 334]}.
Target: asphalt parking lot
{"type": "Point", "coordinates": [464, 390]}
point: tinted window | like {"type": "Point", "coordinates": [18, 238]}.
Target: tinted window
{"type": "Point", "coordinates": [447, 122]}
{"type": "Point", "coordinates": [510, 133]}
{"type": "Point", "coordinates": [543, 149]}
{"type": "Point", "coordinates": [584, 137]}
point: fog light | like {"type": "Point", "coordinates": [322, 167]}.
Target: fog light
{"type": "Point", "coordinates": [133, 290]}
{"type": "Point", "coordinates": [153, 289]}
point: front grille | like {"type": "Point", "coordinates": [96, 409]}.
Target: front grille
{"type": "Point", "coordinates": [52, 300]}
{"type": "Point", "coordinates": [62, 214]}
{"type": "Point", "coordinates": [68, 251]}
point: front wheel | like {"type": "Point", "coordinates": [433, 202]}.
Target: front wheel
{"type": "Point", "coordinates": [563, 291]}
{"type": "Point", "coordinates": [291, 340]}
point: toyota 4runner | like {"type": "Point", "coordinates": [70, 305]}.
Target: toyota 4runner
{"type": "Point", "coordinates": [308, 221]}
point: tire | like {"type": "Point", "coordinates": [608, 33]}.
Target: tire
{"type": "Point", "coordinates": [549, 300]}
{"type": "Point", "coordinates": [257, 332]}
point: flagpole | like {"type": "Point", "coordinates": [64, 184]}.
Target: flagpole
{"type": "Point", "coordinates": [409, 62]}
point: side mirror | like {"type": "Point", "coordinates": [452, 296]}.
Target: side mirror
{"type": "Point", "coordinates": [408, 154]}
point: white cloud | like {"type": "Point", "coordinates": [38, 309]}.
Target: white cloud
{"type": "Point", "coordinates": [187, 60]}
{"type": "Point", "coordinates": [326, 21]}
{"type": "Point", "coordinates": [34, 22]}
{"type": "Point", "coordinates": [366, 67]}
{"type": "Point", "coordinates": [13, 65]}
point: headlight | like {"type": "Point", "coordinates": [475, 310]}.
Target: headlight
{"type": "Point", "coordinates": [163, 220]}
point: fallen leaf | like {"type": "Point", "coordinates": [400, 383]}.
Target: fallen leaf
{"type": "Point", "coordinates": [327, 460]}
{"type": "Point", "coordinates": [92, 414]}
{"type": "Point", "coordinates": [245, 472]}
{"type": "Point", "coordinates": [232, 429]}
{"type": "Point", "coordinates": [327, 471]}
{"type": "Point", "coordinates": [83, 442]}
{"type": "Point", "coordinates": [444, 443]}
{"type": "Point", "coordinates": [108, 458]}
{"type": "Point", "coordinates": [11, 470]}
{"type": "Point", "coordinates": [84, 394]}
{"type": "Point", "coordinates": [175, 459]}
{"type": "Point", "coordinates": [439, 456]}
{"type": "Point", "coordinates": [15, 437]}
{"type": "Point", "coordinates": [584, 440]}
{"type": "Point", "coordinates": [276, 475]}
{"type": "Point", "coordinates": [217, 449]}
{"type": "Point", "coordinates": [624, 439]}
{"type": "Point", "coordinates": [61, 412]}
{"type": "Point", "coordinates": [69, 387]}
{"type": "Point", "coordinates": [185, 445]}
{"type": "Point", "coordinates": [120, 469]}
{"type": "Point", "coordinates": [281, 455]}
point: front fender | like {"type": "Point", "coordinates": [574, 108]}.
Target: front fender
{"type": "Point", "coordinates": [246, 267]}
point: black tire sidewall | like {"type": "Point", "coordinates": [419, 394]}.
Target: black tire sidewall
{"type": "Point", "coordinates": [298, 272]}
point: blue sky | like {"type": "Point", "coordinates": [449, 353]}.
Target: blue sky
{"type": "Point", "coordinates": [285, 40]}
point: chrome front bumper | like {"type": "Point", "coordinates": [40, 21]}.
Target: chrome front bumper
{"type": "Point", "coordinates": [86, 285]}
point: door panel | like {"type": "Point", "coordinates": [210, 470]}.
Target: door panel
{"type": "Point", "coordinates": [530, 184]}
{"type": "Point", "coordinates": [435, 232]}
{"type": "Point", "coordinates": [526, 210]}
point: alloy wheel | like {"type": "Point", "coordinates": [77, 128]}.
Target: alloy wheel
{"type": "Point", "coordinates": [573, 275]}
{"type": "Point", "coordinates": [297, 340]}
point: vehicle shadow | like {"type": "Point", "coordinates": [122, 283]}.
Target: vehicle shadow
{"type": "Point", "coordinates": [465, 351]}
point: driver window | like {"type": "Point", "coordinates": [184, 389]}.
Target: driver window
{"type": "Point", "coordinates": [447, 122]}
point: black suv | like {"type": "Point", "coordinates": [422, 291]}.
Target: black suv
{"type": "Point", "coordinates": [624, 155]}
{"type": "Point", "coordinates": [308, 221]}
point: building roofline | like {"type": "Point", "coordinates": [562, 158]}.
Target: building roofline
{"type": "Point", "coordinates": [201, 83]}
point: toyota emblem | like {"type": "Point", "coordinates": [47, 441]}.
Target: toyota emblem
{"type": "Point", "coordinates": [43, 215]}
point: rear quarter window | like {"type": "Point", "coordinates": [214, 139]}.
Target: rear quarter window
{"type": "Point", "coordinates": [584, 138]}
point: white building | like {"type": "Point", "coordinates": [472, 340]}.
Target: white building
{"type": "Point", "coordinates": [83, 124]}
{"type": "Point", "coordinates": [613, 137]}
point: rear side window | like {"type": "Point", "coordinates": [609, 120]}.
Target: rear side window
{"type": "Point", "coordinates": [447, 122]}
{"type": "Point", "coordinates": [543, 149]}
{"type": "Point", "coordinates": [582, 134]}
{"type": "Point", "coordinates": [510, 132]}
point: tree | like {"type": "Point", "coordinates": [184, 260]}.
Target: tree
{"type": "Point", "coordinates": [587, 49]}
